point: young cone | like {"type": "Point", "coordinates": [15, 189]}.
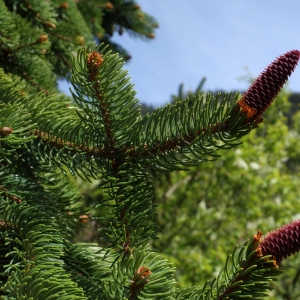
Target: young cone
{"type": "Point", "coordinates": [266, 87]}
{"type": "Point", "coordinates": [282, 242]}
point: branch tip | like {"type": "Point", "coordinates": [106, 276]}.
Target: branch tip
{"type": "Point", "coordinates": [94, 60]}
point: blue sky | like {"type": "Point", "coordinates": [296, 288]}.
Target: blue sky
{"type": "Point", "coordinates": [216, 39]}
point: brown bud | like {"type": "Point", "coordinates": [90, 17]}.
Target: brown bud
{"type": "Point", "coordinates": [94, 59]}
{"type": "Point", "coordinates": [64, 5]}
{"type": "Point", "coordinates": [50, 25]}
{"type": "Point", "coordinates": [43, 38]}
{"type": "Point", "coordinates": [83, 219]}
{"type": "Point", "coordinates": [151, 35]}
{"type": "Point", "coordinates": [257, 237]}
{"type": "Point", "coordinates": [109, 5]}
{"type": "Point", "coordinates": [5, 131]}
{"type": "Point", "coordinates": [141, 277]}
{"type": "Point", "coordinates": [79, 39]}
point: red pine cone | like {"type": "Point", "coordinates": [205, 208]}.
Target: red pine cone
{"type": "Point", "coordinates": [266, 87]}
{"type": "Point", "coordinates": [282, 242]}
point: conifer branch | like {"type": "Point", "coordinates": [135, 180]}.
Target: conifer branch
{"type": "Point", "coordinates": [15, 62]}
{"type": "Point", "coordinates": [94, 60]}
{"type": "Point", "coordinates": [34, 83]}
{"type": "Point", "coordinates": [69, 147]}
{"type": "Point", "coordinates": [11, 197]}
{"type": "Point", "coordinates": [174, 130]}
{"type": "Point", "coordinates": [102, 135]}
{"type": "Point", "coordinates": [246, 274]}
{"type": "Point", "coordinates": [37, 248]}
{"type": "Point", "coordinates": [62, 58]}
{"type": "Point", "coordinates": [37, 14]}
{"type": "Point", "coordinates": [61, 37]}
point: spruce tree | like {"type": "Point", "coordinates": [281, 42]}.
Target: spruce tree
{"type": "Point", "coordinates": [47, 139]}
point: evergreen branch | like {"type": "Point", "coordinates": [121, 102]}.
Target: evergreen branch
{"type": "Point", "coordinates": [143, 275]}
{"type": "Point", "coordinates": [132, 211]}
{"type": "Point", "coordinates": [110, 104]}
{"type": "Point", "coordinates": [105, 137]}
{"type": "Point", "coordinates": [94, 61]}
{"type": "Point", "coordinates": [129, 16]}
{"type": "Point", "coordinates": [56, 197]}
{"type": "Point", "coordinates": [8, 34]}
{"type": "Point", "coordinates": [34, 39]}
{"type": "Point", "coordinates": [37, 248]}
{"type": "Point", "coordinates": [69, 147]}
{"type": "Point", "coordinates": [30, 71]}
{"type": "Point", "coordinates": [73, 24]}
{"type": "Point", "coordinates": [15, 127]}
{"type": "Point", "coordinates": [172, 132]}
{"type": "Point", "coordinates": [181, 135]}
{"type": "Point", "coordinates": [106, 121]}
{"type": "Point", "coordinates": [87, 268]}
{"type": "Point", "coordinates": [23, 46]}
{"type": "Point", "coordinates": [33, 82]}
{"type": "Point", "coordinates": [182, 143]}
{"type": "Point", "coordinates": [246, 274]}
{"type": "Point", "coordinates": [175, 134]}
{"type": "Point", "coordinates": [60, 155]}
{"type": "Point", "coordinates": [87, 260]}
{"type": "Point", "coordinates": [6, 194]}
{"type": "Point", "coordinates": [62, 37]}
{"type": "Point", "coordinates": [58, 53]}
{"type": "Point", "coordinates": [46, 14]}
{"type": "Point", "coordinates": [61, 138]}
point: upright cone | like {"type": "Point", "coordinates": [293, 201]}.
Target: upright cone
{"type": "Point", "coordinates": [267, 86]}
